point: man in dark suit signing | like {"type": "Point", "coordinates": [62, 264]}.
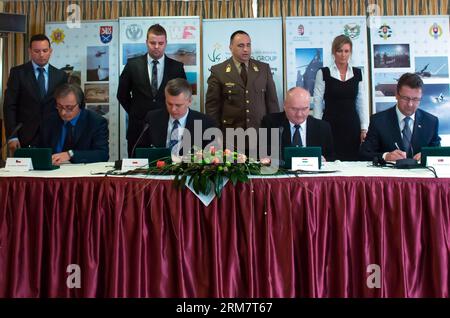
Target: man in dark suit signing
{"type": "Point", "coordinates": [169, 127]}
{"type": "Point", "coordinates": [29, 94]}
{"type": "Point", "coordinates": [142, 82]}
{"type": "Point", "coordinates": [75, 134]}
{"type": "Point", "coordinates": [297, 127]}
{"type": "Point", "coordinates": [401, 131]}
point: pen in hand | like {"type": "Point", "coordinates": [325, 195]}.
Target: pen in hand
{"type": "Point", "coordinates": [396, 146]}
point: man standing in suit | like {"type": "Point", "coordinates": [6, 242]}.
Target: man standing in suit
{"type": "Point", "coordinates": [74, 133]}
{"type": "Point", "coordinates": [401, 131]}
{"type": "Point", "coordinates": [168, 127]}
{"type": "Point", "coordinates": [241, 90]}
{"type": "Point", "coordinates": [142, 82]}
{"type": "Point", "coordinates": [29, 94]}
{"type": "Point", "coordinates": [297, 127]}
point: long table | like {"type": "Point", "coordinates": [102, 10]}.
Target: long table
{"type": "Point", "coordinates": [359, 232]}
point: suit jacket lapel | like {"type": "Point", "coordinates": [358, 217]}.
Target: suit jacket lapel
{"type": "Point", "coordinates": [286, 136]}
{"type": "Point", "coordinates": [415, 138]}
{"type": "Point", "coordinates": [252, 72]}
{"type": "Point", "coordinates": [80, 127]}
{"type": "Point", "coordinates": [146, 78]}
{"type": "Point", "coordinates": [159, 130]}
{"type": "Point", "coordinates": [32, 81]}
{"type": "Point", "coordinates": [395, 128]}
{"type": "Point", "coordinates": [57, 135]}
{"type": "Point", "coordinates": [165, 75]}
{"type": "Point", "coordinates": [310, 129]}
{"type": "Point", "coordinates": [51, 80]}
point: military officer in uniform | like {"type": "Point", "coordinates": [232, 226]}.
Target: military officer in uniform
{"type": "Point", "coordinates": [241, 90]}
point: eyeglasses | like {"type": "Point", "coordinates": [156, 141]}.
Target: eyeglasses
{"type": "Point", "coordinates": [66, 108]}
{"type": "Point", "coordinates": [407, 99]}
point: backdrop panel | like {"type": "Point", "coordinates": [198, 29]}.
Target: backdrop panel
{"type": "Point", "coordinates": [183, 44]}
{"type": "Point", "coordinates": [89, 55]}
{"type": "Point", "coordinates": [267, 45]}
{"type": "Point", "coordinates": [308, 47]}
{"type": "Point", "coordinates": [417, 44]}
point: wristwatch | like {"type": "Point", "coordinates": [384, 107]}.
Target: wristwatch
{"type": "Point", "coordinates": [70, 152]}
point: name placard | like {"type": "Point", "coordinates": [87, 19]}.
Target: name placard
{"type": "Point", "coordinates": [440, 164]}
{"type": "Point", "coordinates": [19, 164]}
{"type": "Point", "coordinates": [305, 163]}
{"type": "Point", "coordinates": [134, 163]}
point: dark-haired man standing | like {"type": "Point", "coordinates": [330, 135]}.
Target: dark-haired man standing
{"type": "Point", "coordinates": [29, 94]}
{"type": "Point", "coordinates": [142, 82]}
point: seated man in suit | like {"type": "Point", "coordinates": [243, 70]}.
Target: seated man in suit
{"type": "Point", "coordinates": [74, 133]}
{"type": "Point", "coordinates": [402, 130]}
{"type": "Point", "coordinates": [167, 127]}
{"type": "Point", "coordinates": [297, 127]}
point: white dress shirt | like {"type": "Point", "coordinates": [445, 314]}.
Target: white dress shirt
{"type": "Point", "coordinates": [362, 108]}
{"type": "Point", "coordinates": [159, 68]}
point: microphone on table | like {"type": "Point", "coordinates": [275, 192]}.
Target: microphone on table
{"type": "Point", "coordinates": [15, 130]}
{"type": "Point", "coordinates": [118, 163]}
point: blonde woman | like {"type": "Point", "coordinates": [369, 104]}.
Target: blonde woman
{"type": "Point", "coordinates": [339, 99]}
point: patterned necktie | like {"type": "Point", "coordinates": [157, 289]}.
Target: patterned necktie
{"type": "Point", "coordinates": [297, 140]}
{"type": "Point", "coordinates": [244, 73]}
{"type": "Point", "coordinates": [68, 141]}
{"type": "Point", "coordinates": [155, 77]}
{"type": "Point", "coordinates": [41, 82]}
{"type": "Point", "coordinates": [406, 139]}
{"type": "Point", "coordinates": [174, 134]}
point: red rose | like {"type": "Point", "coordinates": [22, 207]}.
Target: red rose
{"type": "Point", "coordinates": [160, 164]}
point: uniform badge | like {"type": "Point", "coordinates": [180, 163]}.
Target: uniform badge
{"type": "Point", "coordinates": [230, 84]}
{"type": "Point", "coordinates": [228, 69]}
{"type": "Point", "coordinates": [255, 68]}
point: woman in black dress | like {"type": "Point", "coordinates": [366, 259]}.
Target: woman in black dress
{"type": "Point", "coordinates": [339, 99]}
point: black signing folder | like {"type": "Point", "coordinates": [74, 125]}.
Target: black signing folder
{"type": "Point", "coordinates": [433, 152]}
{"type": "Point", "coordinates": [154, 154]}
{"type": "Point", "coordinates": [40, 157]}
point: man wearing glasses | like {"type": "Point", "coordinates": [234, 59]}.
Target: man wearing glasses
{"type": "Point", "coordinates": [401, 131]}
{"type": "Point", "coordinates": [75, 134]}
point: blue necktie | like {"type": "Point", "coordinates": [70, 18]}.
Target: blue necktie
{"type": "Point", "coordinates": [406, 139]}
{"type": "Point", "coordinates": [173, 134]}
{"type": "Point", "coordinates": [41, 82]}
{"type": "Point", "coordinates": [297, 140]}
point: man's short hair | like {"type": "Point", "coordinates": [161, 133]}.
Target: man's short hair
{"type": "Point", "coordinates": [177, 86]}
{"type": "Point", "coordinates": [65, 89]}
{"type": "Point", "coordinates": [157, 29]}
{"type": "Point", "coordinates": [236, 33]}
{"type": "Point", "coordinates": [39, 37]}
{"type": "Point", "coordinates": [411, 80]}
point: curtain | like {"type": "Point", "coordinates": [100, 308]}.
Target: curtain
{"type": "Point", "coordinates": [275, 8]}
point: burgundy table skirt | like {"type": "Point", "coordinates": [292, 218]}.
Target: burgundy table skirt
{"type": "Point", "coordinates": [304, 237]}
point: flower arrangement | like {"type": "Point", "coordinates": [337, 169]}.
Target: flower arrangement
{"type": "Point", "coordinates": [207, 170]}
